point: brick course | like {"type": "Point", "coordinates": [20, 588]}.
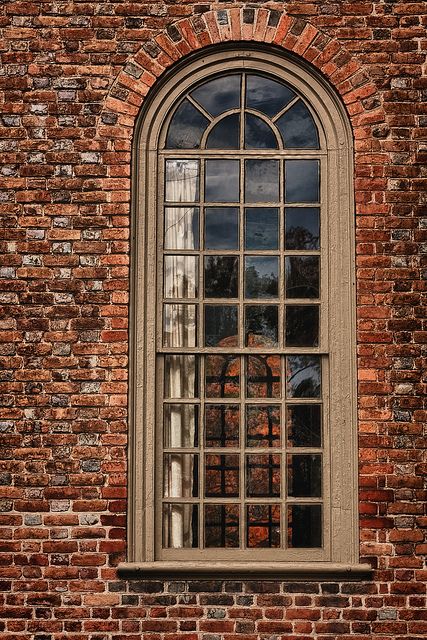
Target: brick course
{"type": "Point", "coordinates": [73, 78]}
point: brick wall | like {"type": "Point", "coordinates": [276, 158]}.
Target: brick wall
{"type": "Point", "coordinates": [72, 80]}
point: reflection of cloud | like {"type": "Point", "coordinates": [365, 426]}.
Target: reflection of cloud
{"type": "Point", "coordinates": [302, 180]}
{"type": "Point", "coordinates": [219, 95]}
{"type": "Point", "coordinates": [222, 180]}
{"type": "Point", "coordinates": [266, 95]}
{"type": "Point", "coordinates": [297, 128]}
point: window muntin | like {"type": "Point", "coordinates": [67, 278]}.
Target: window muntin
{"type": "Point", "coordinates": [241, 289]}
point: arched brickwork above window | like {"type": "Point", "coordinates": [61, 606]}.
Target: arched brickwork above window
{"type": "Point", "coordinates": [238, 25]}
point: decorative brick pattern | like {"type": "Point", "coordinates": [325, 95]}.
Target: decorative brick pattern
{"type": "Point", "coordinates": [73, 78]}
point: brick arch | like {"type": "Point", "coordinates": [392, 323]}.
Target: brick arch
{"type": "Point", "coordinates": [329, 56]}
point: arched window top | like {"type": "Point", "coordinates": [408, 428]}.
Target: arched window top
{"type": "Point", "coordinates": [242, 111]}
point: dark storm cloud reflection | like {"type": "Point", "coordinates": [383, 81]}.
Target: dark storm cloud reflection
{"type": "Point", "coordinates": [219, 95]}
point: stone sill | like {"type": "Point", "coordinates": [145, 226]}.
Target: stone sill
{"type": "Point", "coordinates": [244, 570]}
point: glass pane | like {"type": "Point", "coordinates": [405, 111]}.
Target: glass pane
{"type": "Point", "coordinates": [180, 526]}
{"type": "Point", "coordinates": [219, 95]}
{"type": "Point", "coordinates": [263, 376]}
{"type": "Point", "coordinates": [263, 475]}
{"type": "Point", "coordinates": [186, 127]}
{"type": "Point", "coordinates": [258, 134]}
{"type": "Point", "coordinates": [181, 475]}
{"type": "Point", "coordinates": [302, 181]}
{"type": "Point", "coordinates": [305, 526]}
{"type": "Point", "coordinates": [298, 128]}
{"type": "Point", "coordinates": [221, 475]}
{"type": "Point", "coordinates": [180, 425]}
{"type": "Point", "coordinates": [262, 425]}
{"type": "Point", "coordinates": [222, 525]}
{"type": "Point", "coordinates": [221, 325]}
{"type": "Point", "coordinates": [182, 180]}
{"type": "Point", "coordinates": [181, 228]}
{"type": "Point", "coordinates": [261, 277]}
{"type": "Point", "coordinates": [261, 326]}
{"type": "Point", "coordinates": [222, 376]}
{"type": "Point", "coordinates": [261, 228]}
{"type": "Point", "coordinates": [302, 228]}
{"type": "Point", "coordinates": [181, 376]}
{"type": "Point", "coordinates": [304, 425]}
{"type": "Point", "coordinates": [266, 95]}
{"type": "Point", "coordinates": [221, 276]}
{"type": "Point", "coordinates": [302, 276]}
{"type": "Point", "coordinates": [303, 376]}
{"type": "Point", "coordinates": [179, 325]}
{"type": "Point", "coordinates": [263, 525]}
{"type": "Point", "coordinates": [181, 276]}
{"type": "Point", "coordinates": [222, 180]}
{"type": "Point", "coordinates": [305, 476]}
{"type": "Point", "coordinates": [222, 425]}
{"type": "Point", "coordinates": [221, 228]}
{"type": "Point", "coordinates": [225, 134]}
{"type": "Point", "coordinates": [302, 326]}
{"type": "Point", "coordinates": [261, 180]}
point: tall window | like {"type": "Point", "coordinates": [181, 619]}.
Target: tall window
{"type": "Point", "coordinates": [243, 360]}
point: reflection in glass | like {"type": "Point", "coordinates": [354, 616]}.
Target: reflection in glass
{"type": "Point", "coordinates": [305, 525]}
{"type": "Point", "coordinates": [261, 180]}
{"type": "Point", "coordinates": [302, 326]}
{"type": "Point", "coordinates": [261, 277]}
{"type": "Point", "coordinates": [266, 95]}
{"type": "Point", "coordinates": [305, 475]}
{"type": "Point", "coordinates": [222, 180]}
{"type": "Point", "coordinates": [258, 134]}
{"type": "Point", "coordinates": [263, 376]}
{"type": "Point", "coordinates": [221, 228]}
{"type": "Point", "coordinates": [261, 228]}
{"type": "Point", "coordinates": [182, 180]}
{"type": "Point", "coordinates": [186, 127]}
{"type": "Point", "coordinates": [180, 276]}
{"type": "Point", "coordinates": [263, 525]}
{"type": "Point", "coordinates": [219, 95]}
{"type": "Point", "coordinates": [225, 134]}
{"type": "Point", "coordinates": [263, 475]}
{"type": "Point", "coordinates": [180, 475]}
{"type": "Point", "coordinates": [221, 325]}
{"type": "Point", "coordinates": [302, 276]}
{"type": "Point", "coordinates": [298, 128]}
{"type": "Point", "coordinates": [262, 425]}
{"type": "Point", "coordinates": [304, 425]}
{"type": "Point", "coordinates": [222, 475]}
{"type": "Point", "coordinates": [222, 525]}
{"type": "Point", "coordinates": [303, 376]}
{"type": "Point", "coordinates": [181, 228]}
{"type": "Point", "coordinates": [261, 326]}
{"type": "Point", "coordinates": [180, 426]}
{"type": "Point", "coordinates": [179, 325]}
{"type": "Point", "coordinates": [302, 181]}
{"type": "Point", "coordinates": [221, 276]}
{"type": "Point", "coordinates": [222, 376]}
{"type": "Point", "coordinates": [302, 228]}
{"type": "Point", "coordinates": [222, 425]}
{"type": "Point", "coordinates": [181, 376]}
{"type": "Point", "coordinates": [180, 526]}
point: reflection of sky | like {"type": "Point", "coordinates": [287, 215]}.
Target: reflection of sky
{"type": "Point", "coordinates": [186, 127]}
{"type": "Point", "coordinates": [261, 228]}
{"type": "Point", "coordinates": [303, 372]}
{"type": "Point", "coordinates": [221, 228]}
{"type": "Point", "coordinates": [262, 180]}
{"type": "Point", "coordinates": [298, 129]}
{"type": "Point", "coordinates": [265, 266]}
{"type": "Point", "coordinates": [258, 134]}
{"type": "Point", "coordinates": [305, 219]}
{"type": "Point", "coordinates": [266, 95]}
{"type": "Point", "coordinates": [222, 181]}
{"type": "Point", "coordinates": [226, 134]}
{"type": "Point", "coordinates": [302, 181]}
{"type": "Point", "coordinates": [219, 95]}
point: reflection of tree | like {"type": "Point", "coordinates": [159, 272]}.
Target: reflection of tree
{"type": "Point", "coordinates": [261, 325]}
{"type": "Point", "coordinates": [303, 376]}
{"type": "Point", "coordinates": [260, 286]}
{"type": "Point", "coordinates": [221, 276]}
{"type": "Point", "coordinates": [302, 277]}
{"type": "Point", "coordinates": [301, 238]}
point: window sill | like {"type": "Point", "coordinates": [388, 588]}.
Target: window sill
{"type": "Point", "coordinates": [244, 570]}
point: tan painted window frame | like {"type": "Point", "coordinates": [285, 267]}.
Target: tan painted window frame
{"type": "Point", "coordinates": [341, 556]}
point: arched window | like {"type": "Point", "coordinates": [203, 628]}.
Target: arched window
{"type": "Point", "coordinates": [242, 406]}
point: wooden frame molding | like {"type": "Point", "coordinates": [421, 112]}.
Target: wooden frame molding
{"type": "Point", "coordinates": [340, 557]}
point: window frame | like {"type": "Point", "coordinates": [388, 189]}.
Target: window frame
{"type": "Point", "coordinates": [342, 555]}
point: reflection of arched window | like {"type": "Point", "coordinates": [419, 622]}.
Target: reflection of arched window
{"type": "Point", "coordinates": [243, 357]}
